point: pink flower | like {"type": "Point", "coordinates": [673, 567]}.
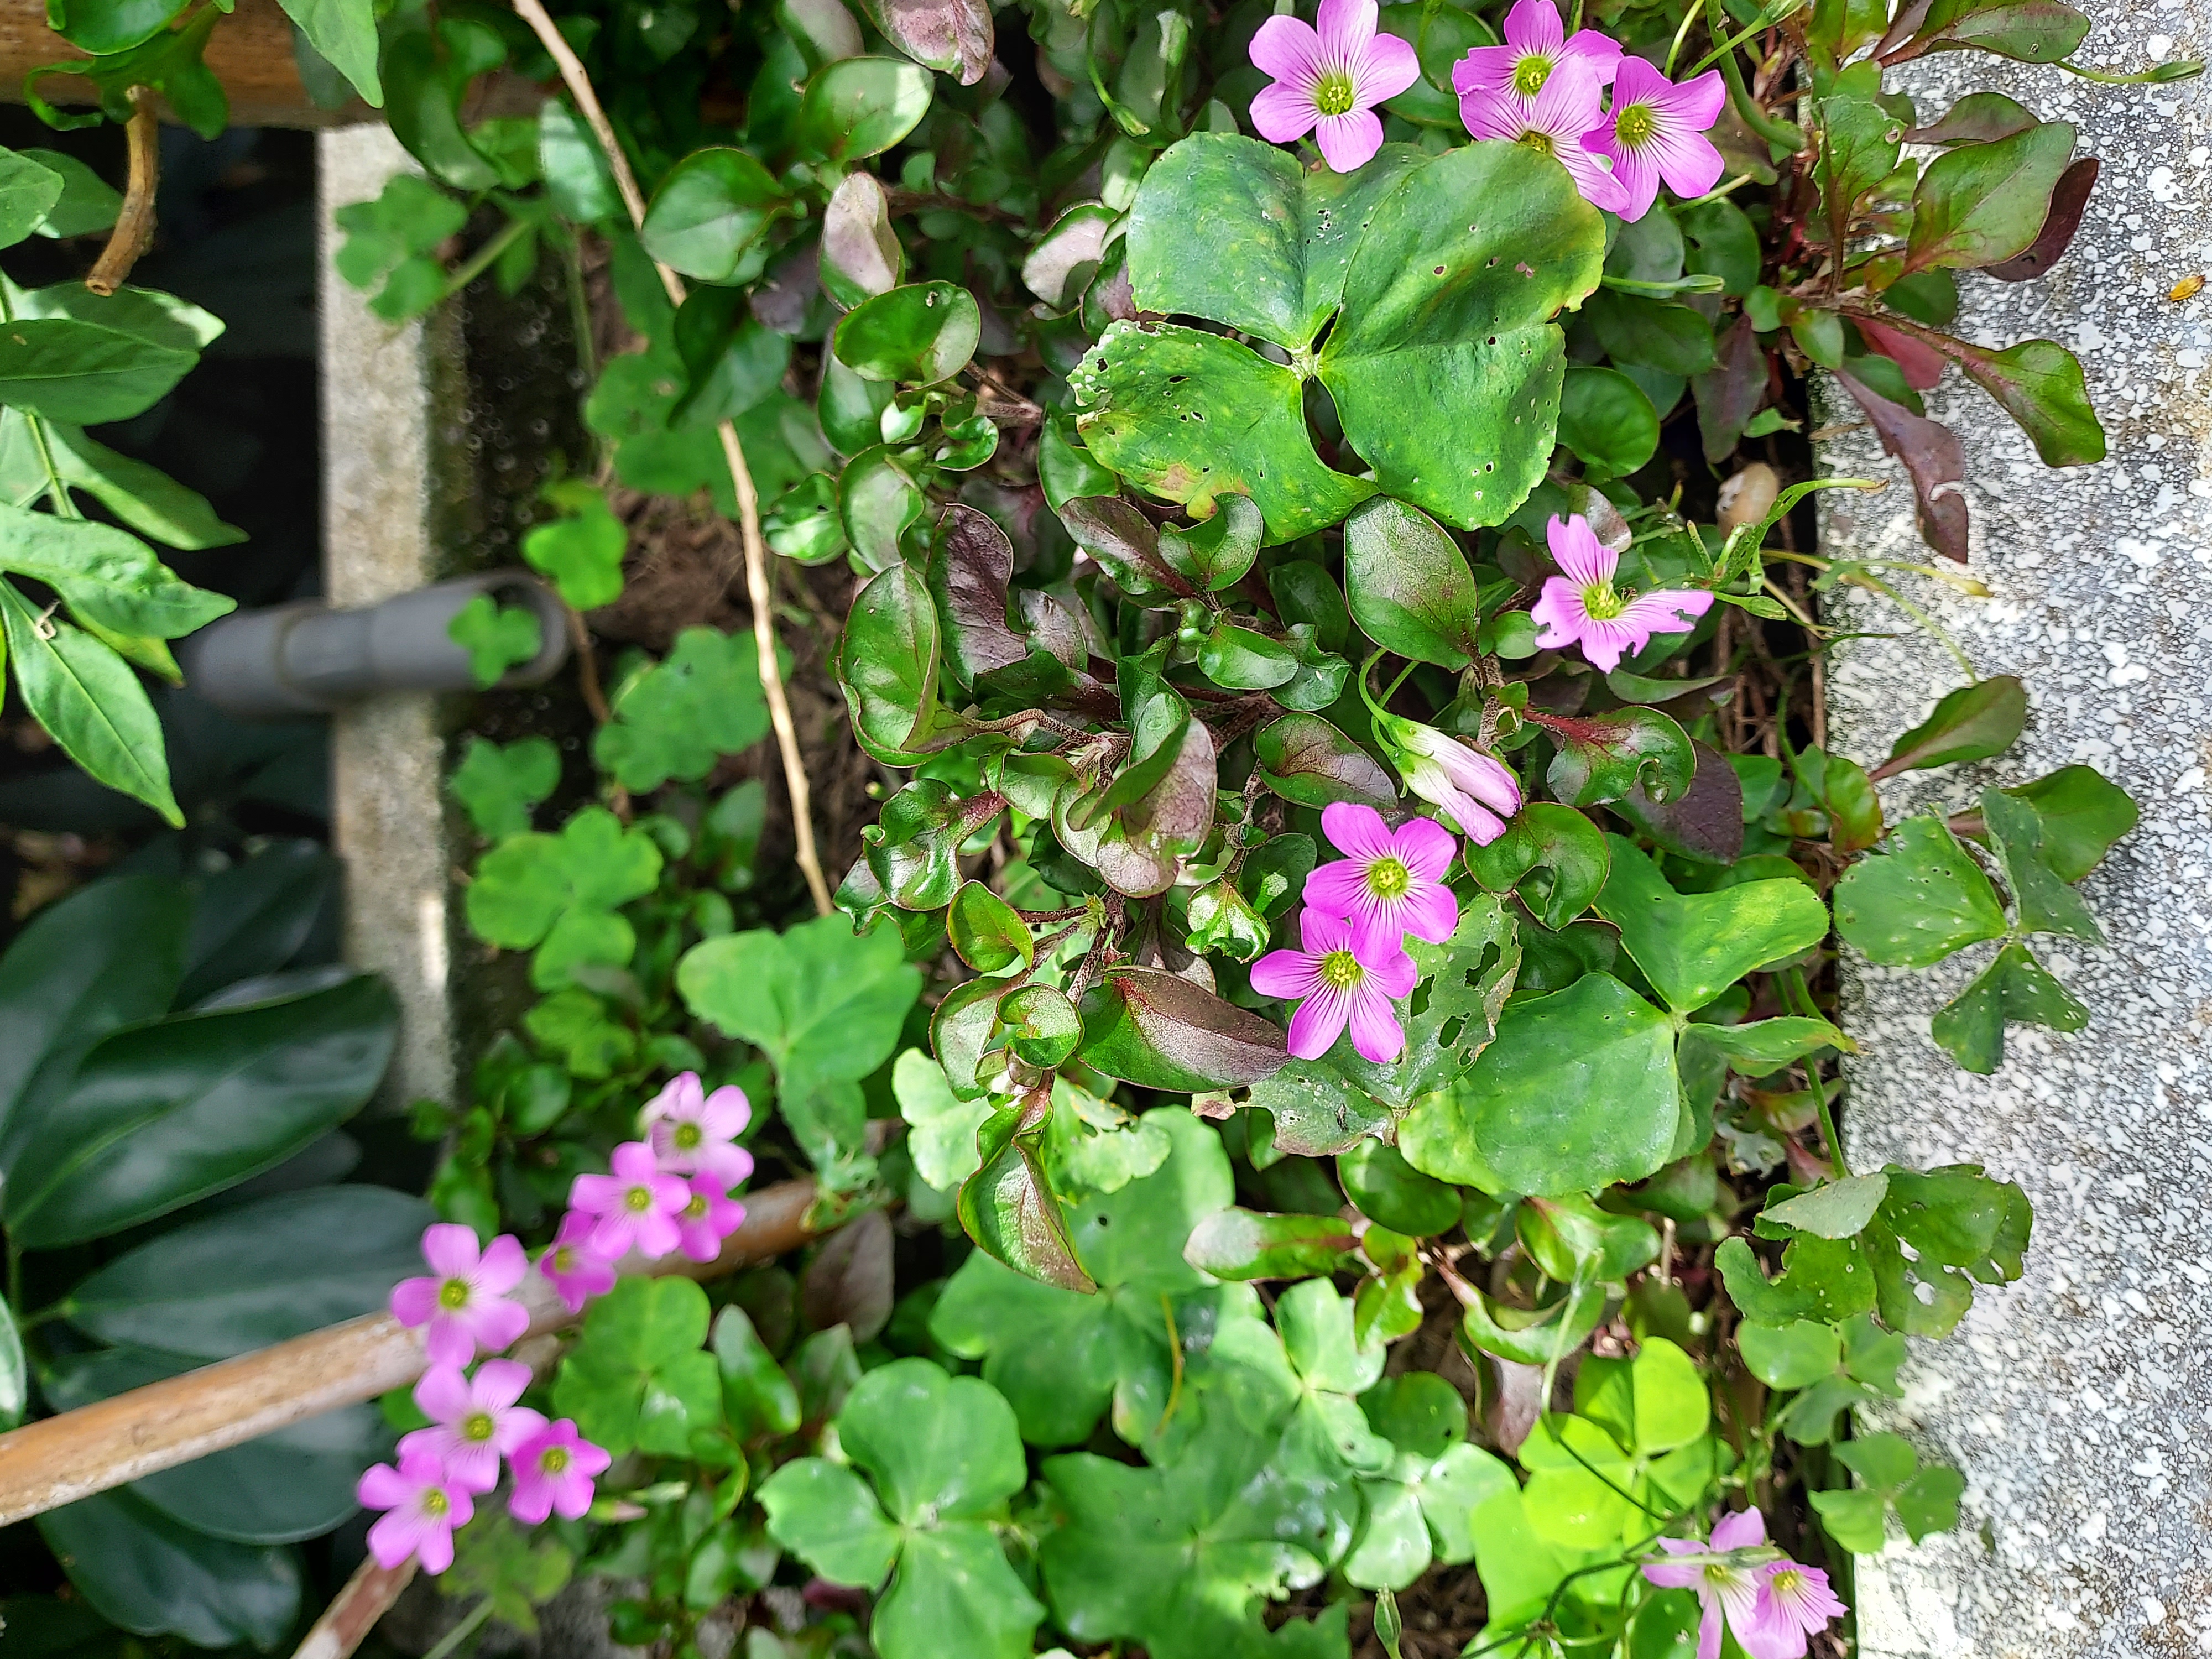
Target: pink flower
{"type": "Point", "coordinates": [1656, 130]}
{"type": "Point", "coordinates": [636, 1205]}
{"type": "Point", "coordinates": [572, 1266]}
{"type": "Point", "coordinates": [691, 1130]}
{"type": "Point", "coordinates": [1337, 981]}
{"type": "Point", "coordinates": [1553, 122]}
{"type": "Point", "coordinates": [1328, 82]}
{"type": "Point", "coordinates": [1536, 45]}
{"type": "Point", "coordinates": [1725, 1589]}
{"type": "Point", "coordinates": [1387, 886]}
{"type": "Point", "coordinates": [554, 1470]}
{"type": "Point", "coordinates": [464, 1303]}
{"type": "Point", "coordinates": [1797, 1602]}
{"type": "Point", "coordinates": [1476, 792]}
{"type": "Point", "coordinates": [709, 1217]}
{"type": "Point", "coordinates": [422, 1505]}
{"type": "Point", "coordinates": [1580, 606]}
{"type": "Point", "coordinates": [477, 1421]}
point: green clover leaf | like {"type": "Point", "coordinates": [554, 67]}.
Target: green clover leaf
{"type": "Point", "coordinates": [559, 894]}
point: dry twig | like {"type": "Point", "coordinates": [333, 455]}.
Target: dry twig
{"type": "Point", "coordinates": [134, 224]}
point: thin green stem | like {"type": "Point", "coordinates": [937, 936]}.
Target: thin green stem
{"type": "Point", "coordinates": [1690, 16]}
{"type": "Point", "coordinates": [2181, 68]}
{"type": "Point", "coordinates": [1765, 20]}
{"type": "Point", "coordinates": [481, 261]}
{"type": "Point", "coordinates": [1828, 1129]}
{"type": "Point", "coordinates": [477, 1617]}
{"type": "Point", "coordinates": [1774, 131]}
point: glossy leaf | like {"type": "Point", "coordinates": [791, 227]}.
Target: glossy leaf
{"type": "Point", "coordinates": [708, 212]}
{"type": "Point", "coordinates": [1408, 585]}
{"type": "Point", "coordinates": [986, 932]}
{"type": "Point", "coordinates": [1231, 229]}
{"type": "Point", "coordinates": [28, 191]}
{"type": "Point", "coordinates": [1602, 760]}
{"type": "Point", "coordinates": [2031, 31]}
{"type": "Point", "coordinates": [1692, 946]}
{"type": "Point", "coordinates": [917, 334]}
{"type": "Point", "coordinates": [1245, 1244]}
{"type": "Point", "coordinates": [1916, 902]}
{"type": "Point", "coordinates": [1191, 416]}
{"type": "Point", "coordinates": [1009, 1209]}
{"type": "Point", "coordinates": [1216, 552]}
{"type": "Point", "coordinates": [1982, 204]}
{"type": "Point", "coordinates": [1608, 420]}
{"type": "Point", "coordinates": [860, 106]}
{"type": "Point", "coordinates": [1447, 366]}
{"type": "Point", "coordinates": [1150, 1028]}
{"type": "Point", "coordinates": [147, 1574]}
{"type": "Point", "coordinates": [87, 697]}
{"type": "Point", "coordinates": [160, 1115]}
{"type": "Point", "coordinates": [952, 36]}
{"type": "Point", "coordinates": [861, 254]}
{"type": "Point", "coordinates": [888, 666]}
{"type": "Point", "coordinates": [84, 374]}
{"type": "Point", "coordinates": [1389, 1190]}
{"type": "Point", "coordinates": [1308, 761]}
{"type": "Point", "coordinates": [1553, 856]}
{"type": "Point", "coordinates": [1972, 723]}
{"type": "Point", "coordinates": [1577, 1090]}
{"type": "Point", "coordinates": [2068, 204]}
{"type": "Point", "coordinates": [257, 1274]}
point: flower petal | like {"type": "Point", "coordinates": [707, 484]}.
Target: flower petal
{"type": "Point", "coordinates": [1592, 178]}
{"type": "Point", "coordinates": [726, 1112]}
{"type": "Point", "coordinates": [1709, 1630]}
{"type": "Point", "coordinates": [443, 1393]}
{"type": "Point", "coordinates": [1559, 614]}
{"type": "Point", "coordinates": [500, 1324]}
{"type": "Point", "coordinates": [503, 1264]}
{"type": "Point", "coordinates": [1697, 102]}
{"type": "Point", "coordinates": [394, 1538]}
{"type": "Point", "coordinates": [383, 1487]}
{"type": "Point", "coordinates": [1635, 173]}
{"type": "Point", "coordinates": [595, 1194]}
{"type": "Point", "coordinates": [1669, 610]}
{"type": "Point", "coordinates": [1486, 113]}
{"type": "Point", "coordinates": [1582, 559]}
{"type": "Point", "coordinates": [1349, 142]}
{"type": "Point", "coordinates": [1287, 974]}
{"type": "Point", "coordinates": [1430, 911]}
{"type": "Point", "coordinates": [1391, 972]}
{"type": "Point", "coordinates": [499, 1383]}
{"type": "Point", "coordinates": [1425, 848]}
{"type": "Point", "coordinates": [1282, 112]}
{"type": "Point", "coordinates": [1286, 49]}
{"type": "Point", "coordinates": [1357, 831]}
{"type": "Point", "coordinates": [1532, 28]}
{"type": "Point", "coordinates": [1318, 1020]}
{"type": "Point", "coordinates": [451, 1248]}
{"type": "Point", "coordinates": [414, 1300]}
{"type": "Point", "coordinates": [1322, 932]}
{"type": "Point", "coordinates": [449, 1341]}
{"type": "Point", "coordinates": [1346, 27]}
{"type": "Point", "coordinates": [1570, 104]}
{"type": "Point", "coordinates": [1685, 160]}
{"type": "Point", "coordinates": [1387, 68]}
{"type": "Point", "coordinates": [1376, 1033]}
{"type": "Point", "coordinates": [1484, 69]}
{"type": "Point", "coordinates": [1599, 54]}
{"type": "Point", "coordinates": [1739, 1529]}
{"type": "Point", "coordinates": [1338, 888]}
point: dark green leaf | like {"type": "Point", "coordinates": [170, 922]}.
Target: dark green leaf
{"type": "Point", "coordinates": [108, 577]}
{"type": "Point", "coordinates": [1972, 723]}
{"type": "Point", "coordinates": [1980, 204]}
{"type": "Point", "coordinates": [1606, 420]}
{"type": "Point", "coordinates": [1040, 1024]}
{"type": "Point", "coordinates": [1008, 1208]}
{"type": "Point", "coordinates": [1191, 416]}
{"type": "Point", "coordinates": [676, 718]}
{"type": "Point", "coordinates": [1822, 1280]}
{"type": "Point", "coordinates": [144, 1572]}
{"type": "Point", "coordinates": [1446, 368]}
{"type": "Point", "coordinates": [2031, 31]}
{"type": "Point", "coordinates": [163, 1113]}
{"type": "Point", "coordinates": [1917, 903]}
{"type": "Point", "coordinates": [1216, 552]}
{"type": "Point", "coordinates": [1389, 1190]}
{"type": "Point", "coordinates": [918, 335]}
{"type": "Point", "coordinates": [2014, 989]}
{"type": "Point", "coordinates": [1247, 1244]}
{"type": "Point", "coordinates": [1692, 946]}
{"type": "Point", "coordinates": [708, 212]}
{"type": "Point", "coordinates": [1229, 229]}
{"type": "Point", "coordinates": [1579, 1090]}
{"type": "Point", "coordinates": [1150, 1028]}
{"type": "Point", "coordinates": [1570, 1239]}
{"type": "Point", "coordinates": [29, 191]}
{"type": "Point", "coordinates": [1554, 854]}
{"type": "Point", "coordinates": [1409, 587]}
{"type": "Point", "coordinates": [1603, 760]}
{"type": "Point", "coordinates": [85, 695]}
{"type": "Point", "coordinates": [2083, 814]}
{"type": "Point", "coordinates": [1306, 760]}
{"type": "Point", "coordinates": [1654, 333]}
{"type": "Point", "coordinates": [638, 1378]}
{"type": "Point", "coordinates": [2042, 903]}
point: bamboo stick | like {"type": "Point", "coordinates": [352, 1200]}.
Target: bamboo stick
{"type": "Point", "coordinates": [59, 1459]}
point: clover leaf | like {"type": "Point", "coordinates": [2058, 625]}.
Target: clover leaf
{"type": "Point", "coordinates": [496, 637]}
{"type": "Point", "coordinates": [638, 1378]}
{"type": "Point", "coordinates": [497, 785]}
{"type": "Point", "coordinates": [1441, 1500]}
{"type": "Point", "coordinates": [1891, 1477]}
{"type": "Point", "coordinates": [559, 894]}
{"type": "Point", "coordinates": [941, 1456]}
{"type": "Point", "coordinates": [581, 551]}
{"type": "Point", "coordinates": [675, 718]}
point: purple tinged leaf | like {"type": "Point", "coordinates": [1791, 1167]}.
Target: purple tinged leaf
{"type": "Point", "coordinates": [1249, 1244]}
{"type": "Point", "coordinates": [1704, 822]}
{"type": "Point", "coordinates": [1008, 1209]}
{"type": "Point", "coordinates": [849, 1281]}
{"type": "Point", "coordinates": [2039, 384]}
{"type": "Point", "coordinates": [1981, 204]}
{"type": "Point", "coordinates": [1146, 1026]}
{"type": "Point", "coordinates": [2029, 31]}
{"type": "Point", "coordinates": [861, 256]}
{"type": "Point", "coordinates": [1979, 117]}
{"type": "Point", "coordinates": [969, 565]}
{"type": "Point", "coordinates": [2068, 204]}
{"type": "Point", "coordinates": [1729, 393]}
{"type": "Point", "coordinates": [1308, 762]}
{"type": "Point", "coordinates": [1933, 458]}
{"type": "Point", "coordinates": [1603, 760]}
{"type": "Point", "coordinates": [954, 37]}
{"type": "Point", "coordinates": [1124, 543]}
{"type": "Point", "coordinates": [1972, 723]}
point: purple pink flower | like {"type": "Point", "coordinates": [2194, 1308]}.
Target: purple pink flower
{"type": "Point", "coordinates": [1477, 792]}
{"type": "Point", "coordinates": [553, 1474]}
{"type": "Point", "coordinates": [636, 1205]}
{"type": "Point", "coordinates": [1536, 45]}
{"type": "Point", "coordinates": [1580, 607]}
{"type": "Point", "coordinates": [692, 1130]}
{"type": "Point", "coordinates": [1551, 122]}
{"type": "Point", "coordinates": [475, 1420]}
{"type": "Point", "coordinates": [464, 1301]}
{"type": "Point", "coordinates": [1385, 886]}
{"type": "Point", "coordinates": [422, 1505]}
{"type": "Point", "coordinates": [1338, 982]}
{"type": "Point", "coordinates": [1656, 130]}
{"type": "Point", "coordinates": [708, 1217]}
{"type": "Point", "coordinates": [1328, 81]}
{"type": "Point", "coordinates": [572, 1266]}
{"type": "Point", "coordinates": [1795, 1601]}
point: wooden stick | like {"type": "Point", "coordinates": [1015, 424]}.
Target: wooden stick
{"type": "Point", "coordinates": [134, 224]}
{"type": "Point", "coordinates": [366, 1597]}
{"type": "Point", "coordinates": [59, 1459]}
{"type": "Point", "coordinates": [757, 592]}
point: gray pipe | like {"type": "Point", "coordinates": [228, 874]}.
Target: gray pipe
{"type": "Point", "coordinates": [308, 659]}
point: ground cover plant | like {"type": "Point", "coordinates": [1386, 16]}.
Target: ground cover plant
{"type": "Point", "coordinates": [1319, 1075]}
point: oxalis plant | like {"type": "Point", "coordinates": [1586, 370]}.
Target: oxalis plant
{"type": "Point", "coordinates": [1358, 871]}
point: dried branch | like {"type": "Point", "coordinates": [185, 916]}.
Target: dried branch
{"type": "Point", "coordinates": [579, 82]}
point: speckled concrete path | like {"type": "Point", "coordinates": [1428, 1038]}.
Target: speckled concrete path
{"type": "Point", "coordinates": [2079, 1401]}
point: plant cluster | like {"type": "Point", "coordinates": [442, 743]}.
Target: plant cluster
{"type": "Point", "coordinates": [1206, 503]}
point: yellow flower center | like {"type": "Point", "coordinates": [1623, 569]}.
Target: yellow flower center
{"type": "Point", "coordinates": [1389, 879]}
{"type": "Point", "coordinates": [1530, 73]}
{"type": "Point", "coordinates": [1342, 969]}
{"type": "Point", "coordinates": [1788, 1581]}
{"type": "Point", "coordinates": [477, 1425]}
{"type": "Point", "coordinates": [1333, 94]}
{"type": "Point", "coordinates": [696, 1209]}
{"type": "Point", "coordinates": [1601, 602]}
{"type": "Point", "coordinates": [687, 1137]}
{"type": "Point", "coordinates": [638, 1200]}
{"type": "Point", "coordinates": [553, 1459]}
{"type": "Point", "coordinates": [564, 1259]}
{"type": "Point", "coordinates": [453, 1294]}
{"type": "Point", "coordinates": [1634, 126]}
{"type": "Point", "coordinates": [434, 1502]}
{"type": "Point", "coordinates": [1539, 142]}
